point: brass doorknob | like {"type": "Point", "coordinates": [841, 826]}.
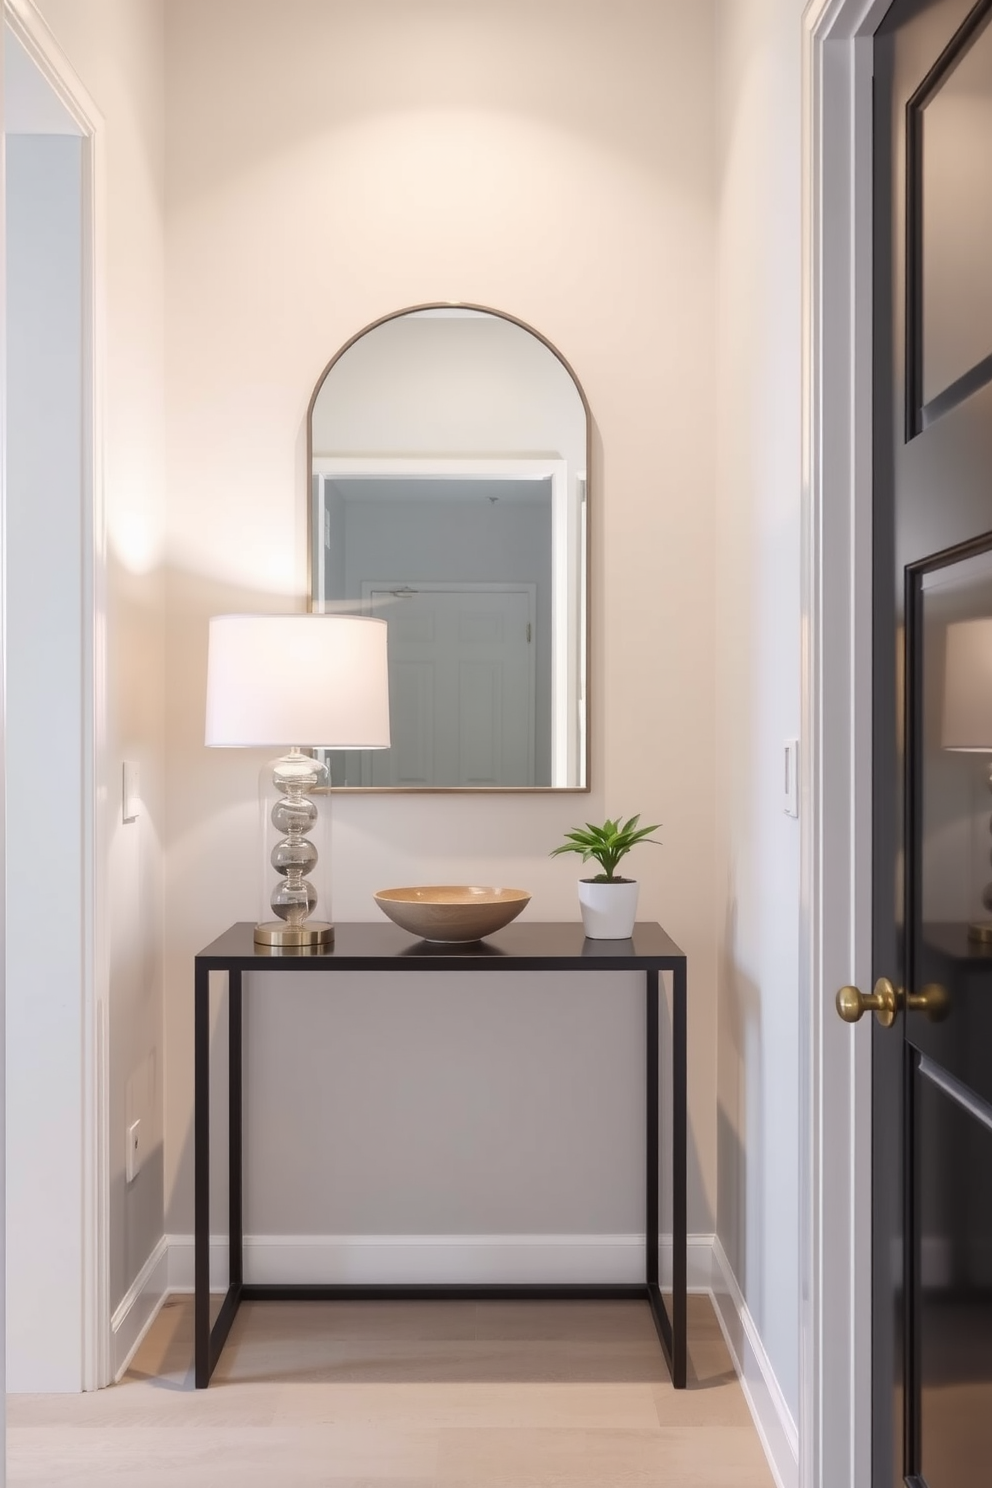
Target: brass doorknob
{"type": "Point", "coordinates": [883, 1002]}
{"type": "Point", "coordinates": [886, 1000]}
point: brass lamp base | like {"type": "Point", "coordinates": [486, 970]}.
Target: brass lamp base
{"type": "Point", "coordinates": [279, 933]}
{"type": "Point", "coordinates": [980, 932]}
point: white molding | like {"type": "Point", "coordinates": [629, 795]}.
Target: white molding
{"type": "Point", "coordinates": [835, 817]}
{"type": "Point", "coordinates": [34, 34]}
{"type": "Point", "coordinates": [139, 1307]}
{"type": "Point", "coordinates": [769, 1411]}
{"type": "Point", "coordinates": [3, 782]}
{"type": "Point", "coordinates": [434, 1259]}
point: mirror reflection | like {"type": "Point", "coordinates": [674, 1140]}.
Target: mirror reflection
{"type": "Point", "coordinates": [956, 746]}
{"type": "Point", "coordinates": [448, 450]}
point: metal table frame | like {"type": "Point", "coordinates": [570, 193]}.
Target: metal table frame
{"type": "Point", "coordinates": [527, 946]}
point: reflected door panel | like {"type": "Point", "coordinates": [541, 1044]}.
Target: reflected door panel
{"type": "Point", "coordinates": [461, 689]}
{"type": "Point", "coordinates": [411, 703]}
{"type": "Point", "coordinates": [955, 168]}
{"type": "Point", "coordinates": [955, 1281]}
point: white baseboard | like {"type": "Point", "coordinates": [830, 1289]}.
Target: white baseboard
{"type": "Point", "coordinates": [139, 1307]}
{"type": "Point", "coordinates": [772, 1417]}
{"type": "Point", "coordinates": [337, 1260]}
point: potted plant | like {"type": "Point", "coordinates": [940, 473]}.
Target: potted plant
{"type": "Point", "coordinates": [608, 901]}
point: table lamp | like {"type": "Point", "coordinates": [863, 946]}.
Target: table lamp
{"type": "Point", "coordinates": [296, 681]}
{"type": "Point", "coordinates": [967, 716]}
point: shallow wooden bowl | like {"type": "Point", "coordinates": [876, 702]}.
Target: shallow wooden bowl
{"type": "Point", "coordinates": [451, 912]}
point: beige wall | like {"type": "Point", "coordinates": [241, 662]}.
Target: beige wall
{"type": "Point", "coordinates": [116, 47]}
{"type": "Point", "coordinates": [757, 662]}
{"type": "Point", "coordinates": [328, 163]}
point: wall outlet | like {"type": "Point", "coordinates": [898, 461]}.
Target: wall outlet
{"type": "Point", "coordinates": [134, 1152]}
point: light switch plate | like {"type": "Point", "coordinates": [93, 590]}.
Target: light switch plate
{"type": "Point", "coordinates": [132, 792]}
{"type": "Point", "coordinates": [791, 780]}
{"type": "Point", "coordinates": [134, 1153]}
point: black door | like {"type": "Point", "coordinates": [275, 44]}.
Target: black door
{"type": "Point", "coordinates": [932, 1064]}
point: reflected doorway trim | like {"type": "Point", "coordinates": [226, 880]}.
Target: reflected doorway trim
{"type": "Point", "coordinates": [835, 778]}
{"type": "Point", "coordinates": [33, 33]}
{"type": "Point", "coordinates": [585, 693]}
{"type": "Point", "coordinates": [567, 551]}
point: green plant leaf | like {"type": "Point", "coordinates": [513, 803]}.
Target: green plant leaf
{"type": "Point", "coordinates": [608, 844]}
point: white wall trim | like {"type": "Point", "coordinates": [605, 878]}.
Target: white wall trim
{"type": "Point", "coordinates": [434, 1259]}
{"type": "Point", "coordinates": [34, 34]}
{"type": "Point", "coordinates": [771, 1415]}
{"type": "Point", "coordinates": [140, 1306]}
{"type": "Point", "coordinates": [835, 817]}
{"type": "Point", "coordinates": [3, 779]}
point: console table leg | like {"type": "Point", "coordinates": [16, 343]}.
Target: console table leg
{"type": "Point", "coordinates": [201, 1162]}
{"type": "Point", "coordinates": [652, 1113]}
{"type": "Point", "coordinates": [235, 1170]}
{"type": "Point", "coordinates": [679, 1136]}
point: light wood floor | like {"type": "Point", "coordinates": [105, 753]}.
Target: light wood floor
{"type": "Point", "coordinates": [404, 1395]}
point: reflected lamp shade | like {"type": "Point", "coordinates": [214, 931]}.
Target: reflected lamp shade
{"type": "Point", "coordinates": [967, 716]}
{"type": "Point", "coordinates": [966, 723]}
{"type": "Point", "coordinates": [296, 681]}
{"type": "Point", "coordinates": [316, 681]}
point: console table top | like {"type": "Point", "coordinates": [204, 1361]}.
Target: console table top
{"type": "Point", "coordinates": [529, 945]}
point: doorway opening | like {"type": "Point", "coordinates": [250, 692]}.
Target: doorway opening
{"type": "Point", "coordinates": [57, 1315]}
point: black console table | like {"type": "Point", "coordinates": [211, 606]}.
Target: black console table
{"type": "Point", "coordinates": [523, 946]}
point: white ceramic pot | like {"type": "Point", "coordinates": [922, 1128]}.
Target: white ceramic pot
{"type": "Point", "coordinates": [608, 909]}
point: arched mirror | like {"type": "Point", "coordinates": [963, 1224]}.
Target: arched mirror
{"type": "Point", "coordinates": [448, 459]}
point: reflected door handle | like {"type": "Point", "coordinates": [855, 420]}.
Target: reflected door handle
{"type": "Point", "coordinates": [934, 1000]}
{"type": "Point", "coordinates": [886, 1000]}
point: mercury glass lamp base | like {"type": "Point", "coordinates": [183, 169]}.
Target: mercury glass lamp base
{"type": "Point", "coordinates": [279, 933]}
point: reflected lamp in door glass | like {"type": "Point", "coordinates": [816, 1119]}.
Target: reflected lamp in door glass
{"type": "Point", "coordinates": [956, 879]}
{"type": "Point", "coordinates": [448, 463]}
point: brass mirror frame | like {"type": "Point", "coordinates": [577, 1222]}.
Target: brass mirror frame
{"type": "Point", "coordinates": [474, 790]}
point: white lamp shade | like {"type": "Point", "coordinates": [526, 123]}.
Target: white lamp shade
{"type": "Point", "coordinates": [967, 719]}
{"type": "Point", "coordinates": [317, 681]}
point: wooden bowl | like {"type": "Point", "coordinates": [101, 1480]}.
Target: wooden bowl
{"type": "Point", "coordinates": [451, 912]}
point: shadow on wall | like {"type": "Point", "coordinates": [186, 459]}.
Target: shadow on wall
{"type": "Point", "coordinates": [740, 1114]}
{"type": "Point", "coordinates": [701, 1219]}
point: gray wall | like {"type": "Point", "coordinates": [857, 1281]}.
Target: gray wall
{"type": "Point", "coordinates": [436, 1105]}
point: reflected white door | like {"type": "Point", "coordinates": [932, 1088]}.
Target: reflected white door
{"type": "Point", "coordinates": [461, 683]}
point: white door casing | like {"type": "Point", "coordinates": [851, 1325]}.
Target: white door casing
{"type": "Point", "coordinates": [835, 895]}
